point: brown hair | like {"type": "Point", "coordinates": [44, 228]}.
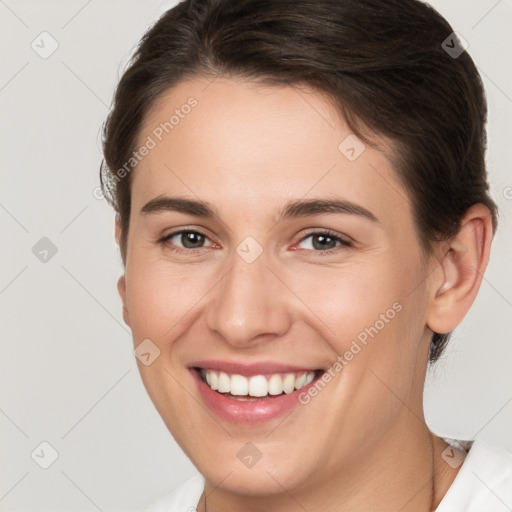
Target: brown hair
{"type": "Point", "coordinates": [386, 64]}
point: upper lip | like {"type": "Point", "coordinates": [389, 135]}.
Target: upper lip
{"type": "Point", "coordinates": [255, 368]}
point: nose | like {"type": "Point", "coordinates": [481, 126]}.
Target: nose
{"type": "Point", "coordinates": [249, 304]}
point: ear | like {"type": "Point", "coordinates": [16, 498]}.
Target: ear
{"type": "Point", "coordinates": [121, 288]}
{"type": "Point", "coordinates": [462, 261]}
{"type": "Point", "coordinates": [121, 283]}
{"type": "Point", "coordinates": [118, 229]}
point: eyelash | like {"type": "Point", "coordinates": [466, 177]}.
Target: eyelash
{"type": "Point", "coordinates": [344, 244]}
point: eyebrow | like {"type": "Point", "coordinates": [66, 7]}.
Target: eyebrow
{"type": "Point", "coordinates": [293, 209]}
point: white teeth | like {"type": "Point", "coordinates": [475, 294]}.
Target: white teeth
{"type": "Point", "coordinates": [214, 380]}
{"type": "Point", "coordinates": [299, 381]}
{"type": "Point", "coordinates": [257, 385]}
{"type": "Point", "coordinates": [224, 383]}
{"type": "Point", "coordinates": [275, 385]}
{"type": "Point", "coordinates": [239, 385]}
{"type": "Point", "coordinates": [309, 378]}
{"type": "Point", "coordinates": [289, 383]}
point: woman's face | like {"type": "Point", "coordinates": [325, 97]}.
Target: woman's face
{"type": "Point", "coordinates": [299, 255]}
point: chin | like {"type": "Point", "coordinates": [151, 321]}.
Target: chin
{"type": "Point", "coordinates": [261, 480]}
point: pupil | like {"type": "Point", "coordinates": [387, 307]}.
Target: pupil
{"type": "Point", "coordinates": [191, 240]}
{"type": "Point", "coordinates": [323, 242]}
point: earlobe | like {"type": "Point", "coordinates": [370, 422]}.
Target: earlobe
{"type": "Point", "coordinates": [462, 263]}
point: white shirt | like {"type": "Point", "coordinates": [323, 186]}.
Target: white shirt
{"type": "Point", "coordinates": [483, 484]}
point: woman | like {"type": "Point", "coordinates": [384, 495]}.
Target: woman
{"type": "Point", "coordinates": [304, 217]}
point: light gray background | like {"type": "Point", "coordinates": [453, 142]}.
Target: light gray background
{"type": "Point", "coordinates": [68, 374]}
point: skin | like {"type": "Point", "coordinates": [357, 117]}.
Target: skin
{"type": "Point", "coordinates": [248, 149]}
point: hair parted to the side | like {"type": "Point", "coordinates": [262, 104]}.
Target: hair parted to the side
{"type": "Point", "coordinates": [380, 61]}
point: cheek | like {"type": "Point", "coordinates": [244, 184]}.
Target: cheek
{"type": "Point", "coordinates": [348, 300]}
{"type": "Point", "coordinates": [162, 300]}
{"type": "Point", "coordinates": [372, 315]}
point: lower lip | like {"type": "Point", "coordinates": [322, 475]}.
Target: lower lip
{"type": "Point", "coordinates": [245, 411]}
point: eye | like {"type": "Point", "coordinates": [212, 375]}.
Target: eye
{"type": "Point", "coordinates": [185, 239]}
{"type": "Point", "coordinates": [321, 242]}
{"type": "Point", "coordinates": [325, 242]}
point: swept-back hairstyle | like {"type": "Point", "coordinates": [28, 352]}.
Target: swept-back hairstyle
{"type": "Point", "coordinates": [393, 66]}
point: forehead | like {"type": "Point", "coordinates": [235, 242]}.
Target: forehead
{"type": "Point", "coordinates": [228, 139]}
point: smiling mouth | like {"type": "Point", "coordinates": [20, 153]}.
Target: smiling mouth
{"type": "Point", "coordinates": [256, 387]}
